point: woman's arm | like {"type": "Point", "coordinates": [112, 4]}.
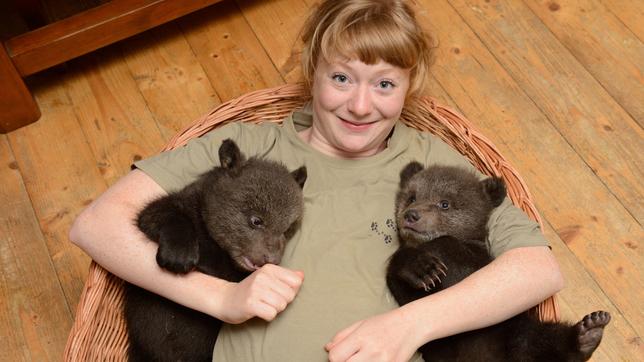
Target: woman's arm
{"type": "Point", "coordinates": [515, 281]}
{"type": "Point", "coordinates": [107, 232]}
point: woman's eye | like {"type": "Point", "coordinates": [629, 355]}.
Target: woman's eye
{"type": "Point", "coordinates": [386, 84]}
{"type": "Point", "coordinates": [256, 222]}
{"type": "Point", "coordinates": [340, 78]}
{"type": "Point", "coordinates": [444, 204]}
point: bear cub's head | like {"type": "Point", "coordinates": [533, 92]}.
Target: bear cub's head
{"type": "Point", "coordinates": [254, 207]}
{"type": "Point", "coordinates": [444, 201]}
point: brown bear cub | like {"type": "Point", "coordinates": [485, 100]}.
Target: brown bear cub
{"type": "Point", "coordinates": [228, 223]}
{"type": "Point", "coordinates": [441, 215]}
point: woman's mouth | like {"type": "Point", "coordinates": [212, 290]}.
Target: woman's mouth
{"type": "Point", "coordinates": [356, 126]}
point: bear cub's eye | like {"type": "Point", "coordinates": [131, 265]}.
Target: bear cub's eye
{"type": "Point", "coordinates": [256, 222]}
{"type": "Point", "coordinates": [444, 204]}
{"type": "Point", "coordinates": [411, 199]}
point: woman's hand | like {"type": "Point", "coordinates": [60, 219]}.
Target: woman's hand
{"type": "Point", "coordinates": [264, 294]}
{"type": "Point", "coordinates": [385, 337]}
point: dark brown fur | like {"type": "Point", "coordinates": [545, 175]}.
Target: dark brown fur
{"type": "Point", "coordinates": [441, 214]}
{"type": "Point", "coordinates": [232, 220]}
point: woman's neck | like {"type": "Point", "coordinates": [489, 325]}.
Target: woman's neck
{"type": "Point", "coordinates": [313, 138]}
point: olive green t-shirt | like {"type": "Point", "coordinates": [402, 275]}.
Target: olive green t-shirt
{"type": "Point", "coordinates": [346, 237]}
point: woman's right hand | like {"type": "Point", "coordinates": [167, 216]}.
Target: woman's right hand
{"type": "Point", "coordinates": [264, 293]}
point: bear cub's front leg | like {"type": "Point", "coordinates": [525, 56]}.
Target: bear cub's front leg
{"type": "Point", "coordinates": [164, 222]}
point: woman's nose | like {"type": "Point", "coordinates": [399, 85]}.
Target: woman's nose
{"type": "Point", "coordinates": [360, 103]}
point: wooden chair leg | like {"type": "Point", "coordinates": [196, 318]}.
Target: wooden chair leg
{"type": "Point", "coordinates": [17, 106]}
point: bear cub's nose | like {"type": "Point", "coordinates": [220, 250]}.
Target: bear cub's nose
{"type": "Point", "coordinates": [411, 216]}
{"type": "Point", "coordinates": [272, 259]}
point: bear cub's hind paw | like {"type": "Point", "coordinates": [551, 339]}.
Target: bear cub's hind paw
{"type": "Point", "coordinates": [590, 330]}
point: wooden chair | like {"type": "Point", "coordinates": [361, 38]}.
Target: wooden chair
{"type": "Point", "coordinates": [99, 330]}
{"type": "Point", "coordinates": [66, 39]}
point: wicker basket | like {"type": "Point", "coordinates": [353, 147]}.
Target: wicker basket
{"type": "Point", "coordinates": [99, 331]}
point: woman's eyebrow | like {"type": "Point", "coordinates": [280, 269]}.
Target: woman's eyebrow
{"type": "Point", "coordinates": [389, 70]}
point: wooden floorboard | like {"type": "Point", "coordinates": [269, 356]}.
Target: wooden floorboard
{"type": "Point", "coordinates": [629, 12]}
{"type": "Point", "coordinates": [600, 42]}
{"type": "Point", "coordinates": [56, 166]}
{"type": "Point", "coordinates": [170, 78]}
{"type": "Point", "coordinates": [233, 58]}
{"type": "Point", "coordinates": [114, 115]}
{"type": "Point", "coordinates": [277, 25]}
{"type": "Point", "coordinates": [557, 85]}
{"type": "Point", "coordinates": [34, 315]}
{"type": "Point", "coordinates": [543, 67]}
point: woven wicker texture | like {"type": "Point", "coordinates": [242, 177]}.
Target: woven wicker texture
{"type": "Point", "coordinates": [99, 334]}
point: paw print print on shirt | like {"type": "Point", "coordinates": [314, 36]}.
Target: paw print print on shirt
{"type": "Point", "coordinates": [386, 234]}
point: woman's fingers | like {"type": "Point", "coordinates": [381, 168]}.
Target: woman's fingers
{"type": "Point", "coordinates": [293, 278]}
{"type": "Point", "coordinates": [282, 289]}
{"type": "Point", "coordinates": [269, 290]}
{"type": "Point", "coordinates": [341, 335]}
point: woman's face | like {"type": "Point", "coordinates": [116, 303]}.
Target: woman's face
{"type": "Point", "coordinates": [355, 106]}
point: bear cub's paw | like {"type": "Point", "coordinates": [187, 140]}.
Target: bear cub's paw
{"type": "Point", "coordinates": [590, 331]}
{"type": "Point", "coordinates": [423, 270]}
{"type": "Point", "coordinates": [178, 250]}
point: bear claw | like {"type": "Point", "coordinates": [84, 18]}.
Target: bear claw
{"type": "Point", "coordinates": [423, 271]}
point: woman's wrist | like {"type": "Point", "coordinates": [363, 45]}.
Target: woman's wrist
{"type": "Point", "coordinates": [420, 329]}
{"type": "Point", "coordinates": [209, 294]}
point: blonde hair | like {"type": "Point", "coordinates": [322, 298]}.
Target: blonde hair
{"type": "Point", "coordinates": [368, 30]}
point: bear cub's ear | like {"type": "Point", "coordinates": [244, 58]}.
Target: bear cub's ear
{"type": "Point", "coordinates": [300, 176]}
{"type": "Point", "coordinates": [229, 154]}
{"type": "Point", "coordinates": [494, 188]}
{"type": "Point", "coordinates": [410, 170]}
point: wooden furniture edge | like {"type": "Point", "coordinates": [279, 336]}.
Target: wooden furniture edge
{"type": "Point", "coordinates": [17, 106]}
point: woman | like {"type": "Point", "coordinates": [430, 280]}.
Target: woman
{"type": "Point", "coordinates": [363, 59]}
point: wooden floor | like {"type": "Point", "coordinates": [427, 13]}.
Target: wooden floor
{"type": "Point", "coordinates": [557, 85]}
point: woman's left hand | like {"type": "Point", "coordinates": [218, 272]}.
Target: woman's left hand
{"type": "Point", "coordinates": [385, 337]}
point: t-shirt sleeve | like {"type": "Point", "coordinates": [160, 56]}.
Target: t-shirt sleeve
{"type": "Point", "coordinates": [508, 227]}
{"type": "Point", "coordinates": [175, 169]}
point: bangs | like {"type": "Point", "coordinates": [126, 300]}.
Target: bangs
{"type": "Point", "coordinates": [371, 39]}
